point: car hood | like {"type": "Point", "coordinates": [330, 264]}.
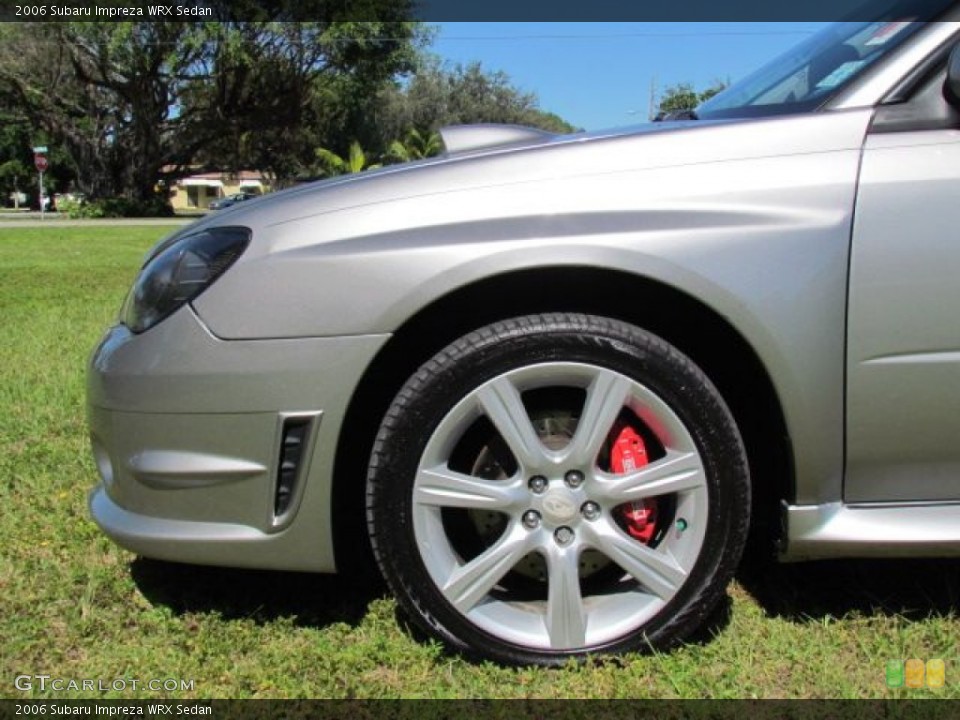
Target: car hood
{"type": "Point", "coordinates": [497, 155]}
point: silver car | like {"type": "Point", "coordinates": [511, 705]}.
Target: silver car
{"type": "Point", "coordinates": [557, 384]}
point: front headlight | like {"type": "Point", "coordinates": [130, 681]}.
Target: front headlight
{"type": "Point", "coordinates": [179, 272]}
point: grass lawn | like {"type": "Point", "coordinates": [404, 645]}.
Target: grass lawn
{"type": "Point", "coordinates": [74, 606]}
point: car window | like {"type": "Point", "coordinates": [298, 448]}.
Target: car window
{"type": "Point", "coordinates": [806, 76]}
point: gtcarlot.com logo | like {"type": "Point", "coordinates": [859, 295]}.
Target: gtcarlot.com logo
{"type": "Point", "coordinates": [50, 683]}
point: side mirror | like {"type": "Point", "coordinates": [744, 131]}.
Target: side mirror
{"type": "Point", "coordinates": [951, 88]}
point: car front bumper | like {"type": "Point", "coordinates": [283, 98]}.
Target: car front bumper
{"type": "Point", "coordinates": [188, 431]}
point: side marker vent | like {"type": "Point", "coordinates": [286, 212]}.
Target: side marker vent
{"type": "Point", "coordinates": [292, 444]}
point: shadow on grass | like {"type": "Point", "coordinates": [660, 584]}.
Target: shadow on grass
{"type": "Point", "coordinates": [714, 624]}
{"type": "Point", "coordinates": [915, 589]}
{"type": "Point", "coordinates": [311, 600]}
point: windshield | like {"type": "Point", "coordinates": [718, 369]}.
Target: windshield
{"type": "Point", "coordinates": [808, 75]}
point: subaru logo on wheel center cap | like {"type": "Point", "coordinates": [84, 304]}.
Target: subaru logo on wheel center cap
{"type": "Point", "coordinates": [558, 506]}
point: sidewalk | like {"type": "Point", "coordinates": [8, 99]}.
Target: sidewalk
{"type": "Point", "coordinates": [32, 218]}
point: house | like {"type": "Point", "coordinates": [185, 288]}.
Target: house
{"type": "Point", "coordinates": [195, 192]}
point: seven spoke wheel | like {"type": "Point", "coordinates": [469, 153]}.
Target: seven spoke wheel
{"type": "Point", "coordinates": [555, 485]}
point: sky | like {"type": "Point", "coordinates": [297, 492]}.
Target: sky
{"type": "Point", "coordinates": [599, 75]}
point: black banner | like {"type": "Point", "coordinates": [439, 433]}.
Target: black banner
{"type": "Point", "coordinates": [484, 709]}
{"type": "Point", "coordinates": [465, 10]}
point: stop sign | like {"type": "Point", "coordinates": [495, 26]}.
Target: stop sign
{"type": "Point", "coordinates": [40, 161]}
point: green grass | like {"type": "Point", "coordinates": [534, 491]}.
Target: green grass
{"type": "Point", "coordinates": [72, 605]}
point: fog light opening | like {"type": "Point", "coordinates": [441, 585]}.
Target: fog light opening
{"type": "Point", "coordinates": [292, 442]}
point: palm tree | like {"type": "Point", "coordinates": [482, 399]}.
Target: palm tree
{"type": "Point", "coordinates": [415, 146]}
{"type": "Point", "coordinates": [356, 161]}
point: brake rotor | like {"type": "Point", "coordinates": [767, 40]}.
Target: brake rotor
{"type": "Point", "coordinates": [627, 452]}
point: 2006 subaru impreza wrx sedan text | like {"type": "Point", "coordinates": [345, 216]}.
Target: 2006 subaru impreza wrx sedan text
{"type": "Point", "coordinates": [557, 382]}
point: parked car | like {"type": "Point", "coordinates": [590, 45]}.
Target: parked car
{"type": "Point", "coordinates": [229, 200]}
{"type": "Point", "coordinates": [558, 381]}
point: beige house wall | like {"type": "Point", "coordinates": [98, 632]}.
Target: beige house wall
{"type": "Point", "coordinates": [198, 191]}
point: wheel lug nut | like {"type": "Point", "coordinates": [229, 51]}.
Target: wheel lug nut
{"type": "Point", "coordinates": [563, 535]}
{"type": "Point", "coordinates": [531, 519]}
{"type": "Point", "coordinates": [590, 510]}
{"type": "Point", "coordinates": [573, 478]}
{"type": "Point", "coordinates": [537, 484]}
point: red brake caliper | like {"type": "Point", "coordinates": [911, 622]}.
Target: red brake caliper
{"type": "Point", "coordinates": [628, 453]}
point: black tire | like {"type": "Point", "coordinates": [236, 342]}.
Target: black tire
{"type": "Point", "coordinates": [611, 348]}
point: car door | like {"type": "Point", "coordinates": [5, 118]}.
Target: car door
{"type": "Point", "coordinates": [903, 353]}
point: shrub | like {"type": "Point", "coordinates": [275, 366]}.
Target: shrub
{"type": "Point", "coordinates": [117, 208]}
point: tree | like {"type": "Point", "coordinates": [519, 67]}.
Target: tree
{"type": "Point", "coordinates": [682, 98]}
{"type": "Point", "coordinates": [138, 103]}
{"type": "Point", "coordinates": [14, 176]}
{"type": "Point", "coordinates": [16, 173]}
{"type": "Point", "coordinates": [415, 146]}
{"type": "Point", "coordinates": [102, 90]}
{"type": "Point", "coordinates": [438, 95]}
{"type": "Point", "coordinates": [355, 161]}
{"type": "Point", "coordinates": [333, 108]}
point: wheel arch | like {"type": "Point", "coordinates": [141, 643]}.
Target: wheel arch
{"type": "Point", "coordinates": [682, 320]}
